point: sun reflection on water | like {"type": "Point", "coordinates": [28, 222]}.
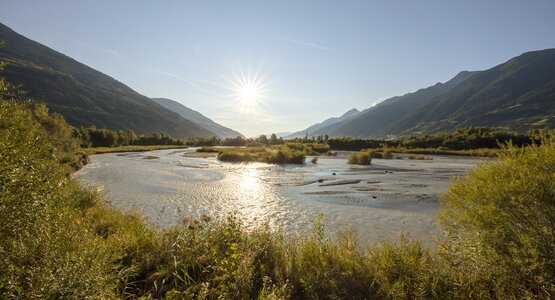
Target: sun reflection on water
{"type": "Point", "coordinates": [250, 180]}
{"type": "Point", "coordinates": [252, 194]}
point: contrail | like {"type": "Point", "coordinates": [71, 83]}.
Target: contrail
{"type": "Point", "coordinates": [105, 50]}
{"type": "Point", "coordinates": [147, 66]}
{"type": "Point", "coordinates": [308, 44]}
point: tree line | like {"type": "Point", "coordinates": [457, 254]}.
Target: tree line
{"type": "Point", "coordinates": [473, 137]}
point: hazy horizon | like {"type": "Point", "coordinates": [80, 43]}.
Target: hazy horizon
{"type": "Point", "coordinates": [260, 68]}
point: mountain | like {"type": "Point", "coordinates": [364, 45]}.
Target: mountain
{"type": "Point", "coordinates": [197, 117]}
{"type": "Point", "coordinates": [518, 94]}
{"type": "Point", "coordinates": [372, 122]}
{"type": "Point", "coordinates": [312, 130]}
{"type": "Point", "coordinates": [85, 96]}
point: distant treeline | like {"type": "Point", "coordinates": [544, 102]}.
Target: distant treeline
{"type": "Point", "coordinates": [94, 137]}
{"type": "Point", "coordinates": [462, 139]}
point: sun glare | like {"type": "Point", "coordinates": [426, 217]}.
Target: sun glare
{"type": "Point", "coordinates": [249, 90]}
{"type": "Point", "coordinates": [248, 93]}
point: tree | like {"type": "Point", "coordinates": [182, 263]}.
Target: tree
{"type": "Point", "coordinates": [274, 139]}
{"type": "Point", "coordinates": [262, 139]}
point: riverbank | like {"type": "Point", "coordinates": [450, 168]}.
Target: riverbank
{"type": "Point", "coordinates": [481, 152]}
{"type": "Point", "coordinates": [134, 148]}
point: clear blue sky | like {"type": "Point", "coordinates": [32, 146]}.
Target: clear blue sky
{"type": "Point", "coordinates": [321, 58]}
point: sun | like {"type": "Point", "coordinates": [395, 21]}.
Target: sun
{"type": "Point", "coordinates": [249, 90]}
{"type": "Point", "coordinates": [249, 94]}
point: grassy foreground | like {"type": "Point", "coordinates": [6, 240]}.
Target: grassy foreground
{"type": "Point", "coordinates": [58, 240]}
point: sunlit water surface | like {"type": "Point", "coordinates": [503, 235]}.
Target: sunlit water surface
{"type": "Point", "coordinates": [378, 202]}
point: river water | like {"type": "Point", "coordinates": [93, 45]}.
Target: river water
{"type": "Point", "coordinates": [379, 201]}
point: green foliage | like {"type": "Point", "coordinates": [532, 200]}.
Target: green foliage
{"type": "Point", "coordinates": [208, 150]}
{"type": "Point", "coordinates": [40, 254]}
{"type": "Point", "coordinates": [481, 152]}
{"type": "Point", "coordinates": [271, 154]}
{"type": "Point", "coordinates": [294, 153]}
{"type": "Point", "coordinates": [466, 138]}
{"type": "Point", "coordinates": [502, 215]}
{"type": "Point", "coordinates": [93, 137]}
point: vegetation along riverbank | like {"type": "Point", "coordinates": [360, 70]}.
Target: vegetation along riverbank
{"type": "Point", "coordinates": [59, 240]}
{"type": "Point", "coordinates": [293, 153]}
{"type": "Point", "coordinates": [130, 148]}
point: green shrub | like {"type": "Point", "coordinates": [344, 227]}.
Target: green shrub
{"type": "Point", "coordinates": [361, 158]}
{"type": "Point", "coordinates": [387, 154]}
{"type": "Point", "coordinates": [500, 221]}
{"type": "Point", "coordinates": [276, 154]}
{"type": "Point", "coordinates": [45, 250]}
{"type": "Point", "coordinates": [207, 149]}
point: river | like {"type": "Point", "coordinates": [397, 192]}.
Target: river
{"type": "Point", "coordinates": [379, 201]}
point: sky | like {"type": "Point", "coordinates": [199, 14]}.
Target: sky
{"type": "Point", "coordinates": [279, 66]}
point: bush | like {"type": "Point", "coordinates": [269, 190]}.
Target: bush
{"type": "Point", "coordinates": [361, 158]}
{"type": "Point", "coordinates": [500, 220]}
{"type": "Point", "coordinates": [387, 154]}
{"type": "Point", "coordinates": [206, 149]}
{"type": "Point", "coordinates": [45, 250]}
{"type": "Point", "coordinates": [277, 154]}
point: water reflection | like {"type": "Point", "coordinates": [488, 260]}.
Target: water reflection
{"type": "Point", "coordinates": [258, 202]}
{"type": "Point", "coordinates": [250, 181]}
{"type": "Point", "coordinates": [378, 206]}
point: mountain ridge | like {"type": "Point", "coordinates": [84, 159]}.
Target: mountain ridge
{"type": "Point", "coordinates": [197, 117]}
{"type": "Point", "coordinates": [330, 121]}
{"type": "Point", "coordinates": [83, 95]}
{"type": "Point", "coordinates": [482, 99]}
{"type": "Point", "coordinates": [518, 94]}
{"type": "Point", "coordinates": [370, 122]}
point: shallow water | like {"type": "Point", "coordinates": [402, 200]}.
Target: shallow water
{"type": "Point", "coordinates": [379, 201]}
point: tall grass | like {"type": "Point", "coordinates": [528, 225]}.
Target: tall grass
{"type": "Point", "coordinates": [360, 158]}
{"type": "Point", "coordinates": [293, 153]}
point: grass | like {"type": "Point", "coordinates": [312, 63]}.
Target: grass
{"type": "Point", "coordinates": [101, 150]}
{"type": "Point", "coordinates": [292, 153]}
{"type": "Point", "coordinates": [271, 155]}
{"type": "Point", "coordinates": [360, 158]}
{"type": "Point", "coordinates": [483, 152]}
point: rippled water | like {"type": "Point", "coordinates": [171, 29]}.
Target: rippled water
{"type": "Point", "coordinates": [378, 201]}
